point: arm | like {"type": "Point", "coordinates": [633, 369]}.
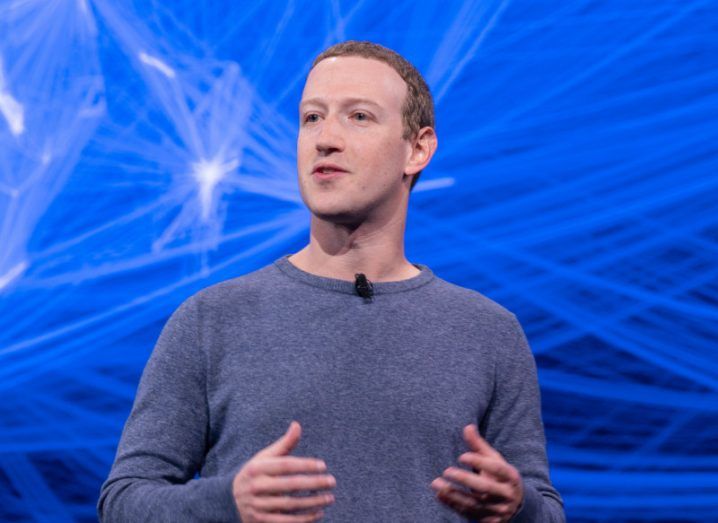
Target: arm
{"type": "Point", "coordinates": [513, 426]}
{"type": "Point", "coordinates": [508, 480]}
{"type": "Point", "coordinates": [165, 438]}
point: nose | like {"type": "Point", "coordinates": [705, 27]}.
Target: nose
{"type": "Point", "coordinates": [329, 138]}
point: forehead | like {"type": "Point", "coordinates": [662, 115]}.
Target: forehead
{"type": "Point", "coordinates": [340, 77]}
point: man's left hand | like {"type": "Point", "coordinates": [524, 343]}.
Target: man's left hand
{"type": "Point", "coordinates": [491, 493]}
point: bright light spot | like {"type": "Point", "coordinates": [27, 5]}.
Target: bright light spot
{"type": "Point", "coordinates": [437, 183]}
{"type": "Point", "coordinates": [12, 274]}
{"type": "Point", "coordinates": [157, 64]}
{"type": "Point", "coordinates": [208, 174]}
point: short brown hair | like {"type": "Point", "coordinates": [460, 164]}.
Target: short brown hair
{"type": "Point", "coordinates": [417, 111]}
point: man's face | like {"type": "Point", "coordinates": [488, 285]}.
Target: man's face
{"type": "Point", "coordinates": [351, 156]}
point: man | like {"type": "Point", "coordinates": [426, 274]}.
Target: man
{"type": "Point", "coordinates": [341, 382]}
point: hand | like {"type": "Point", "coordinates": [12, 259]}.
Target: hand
{"type": "Point", "coordinates": [263, 487]}
{"type": "Point", "coordinates": [492, 493]}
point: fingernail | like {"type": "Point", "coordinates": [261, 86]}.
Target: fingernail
{"type": "Point", "coordinates": [321, 466]}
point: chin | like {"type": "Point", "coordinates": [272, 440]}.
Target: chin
{"type": "Point", "coordinates": [339, 214]}
{"type": "Point", "coordinates": [339, 217]}
{"type": "Point", "coordinates": [325, 206]}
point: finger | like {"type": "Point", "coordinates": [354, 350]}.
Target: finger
{"type": "Point", "coordinates": [478, 484]}
{"type": "Point", "coordinates": [469, 507]}
{"type": "Point", "coordinates": [282, 484]}
{"type": "Point", "coordinates": [454, 498]}
{"type": "Point", "coordinates": [440, 484]}
{"type": "Point", "coordinates": [476, 442]}
{"type": "Point", "coordinates": [501, 470]}
{"type": "Point", "coordinates": [469, 504]}
{"type": "Point", "coordinates": [284, 465]}
{"type": "Point", "coordinates": [266, 517]}
{"type": "Point", "coordinates": [285, 444]}
{"type": "Point", "coordinates": [292, 503]}
{"type": "Point", "coordinates": [457, 500]}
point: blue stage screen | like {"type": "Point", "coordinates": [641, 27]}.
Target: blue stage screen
{"type": "Point", "coordinates": [147, 150]}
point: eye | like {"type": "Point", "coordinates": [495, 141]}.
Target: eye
{"type": "Point", "coordinates": [311, 118]}
{"type": "Point", "coordinates": [362, 117]}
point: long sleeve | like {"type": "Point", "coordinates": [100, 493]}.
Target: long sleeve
{"type": "Point", "coordinates": [165, 438]}
{"type": "Point", "coordinates": [513, 426]}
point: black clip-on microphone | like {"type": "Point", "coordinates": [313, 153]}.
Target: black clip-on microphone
{"type": "Point", "coordinates": [363, 286]}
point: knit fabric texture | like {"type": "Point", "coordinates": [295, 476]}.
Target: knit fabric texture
{"type": "Point", "coordinates": [382, 388]}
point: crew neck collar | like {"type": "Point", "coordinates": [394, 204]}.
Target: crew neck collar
{"type": "Point", "coordinates": [347, 287]}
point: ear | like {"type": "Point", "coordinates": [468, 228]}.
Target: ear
{"type": "Point", "coordinates": [423, 147]}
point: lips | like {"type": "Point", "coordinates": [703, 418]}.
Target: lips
{"type": "Point", "coordinates": [325, 171]}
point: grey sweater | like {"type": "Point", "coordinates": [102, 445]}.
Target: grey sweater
{"type": "Point", "coordinates": [382, 389]}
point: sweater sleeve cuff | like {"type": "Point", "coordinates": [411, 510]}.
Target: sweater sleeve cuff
{"type": "Point", "coordinates": [218, 499]}
{"type": "Point", "coordinates": [227, 498]}
{"type": "Point", "coordinates": [529, 506]}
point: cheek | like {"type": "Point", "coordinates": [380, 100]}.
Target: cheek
{"type": "Point", "coordinates": [301, 144]}
{"type": "Point", "coordinates": [303, 151]}
{"type": "Point", "coordinates": [390, 157]}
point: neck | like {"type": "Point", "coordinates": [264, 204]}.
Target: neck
{"type": "Point", "coordinates": [340, 251]}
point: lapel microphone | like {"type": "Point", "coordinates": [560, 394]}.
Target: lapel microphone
{"type": "Point", "coordinates": [363, 286]}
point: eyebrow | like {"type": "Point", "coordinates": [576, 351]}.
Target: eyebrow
{"type": "Point", "coordinates": [345, 102]}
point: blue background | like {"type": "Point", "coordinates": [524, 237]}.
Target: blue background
{"type": "Point", "coordinates": [147, 150]}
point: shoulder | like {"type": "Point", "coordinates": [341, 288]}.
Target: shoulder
{"type": "Point", "coordinates": [236, 291]}
{"type": "Point", "coordinates": [486, 328]}
{"type": "Point", "coordinates": [469, 302]}
{"type": "Point", "coordinates": [226, 300]}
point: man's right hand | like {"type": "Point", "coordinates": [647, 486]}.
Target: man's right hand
{"type": "Point", "coordinates": [263, 488]}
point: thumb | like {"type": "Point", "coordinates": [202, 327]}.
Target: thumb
{"type": "Point", "coordinates": [475, 441]}
{"type": "Point", "coordinates": [285, 444]}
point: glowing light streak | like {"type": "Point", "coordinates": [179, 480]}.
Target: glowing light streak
{"type": "Point", "coordinates": [153, 152]}
{"type": "Point", "coordinates": [157, 64]}
{"type": "Point", "coordinates": [10, 108]}
{"type": "Point", "coordinates": [434, 183]}
{"type": "Point", "coordinates": [12, 274]}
